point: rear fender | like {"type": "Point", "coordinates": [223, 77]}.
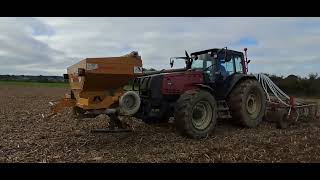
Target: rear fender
{"type": "Point", "coordinates": [235, 80]}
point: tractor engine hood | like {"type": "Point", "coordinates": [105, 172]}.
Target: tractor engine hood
{"type": "Point", "coordinates": [165, 83]}
{"type": "Point", "coordinates": [164, 71]}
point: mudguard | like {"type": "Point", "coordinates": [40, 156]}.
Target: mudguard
{"type": "Point", "coordinates": [233, 80]}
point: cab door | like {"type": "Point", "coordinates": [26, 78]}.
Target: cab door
{"type": "Point", "coordinates": [208, 70]}
{"type": "Point", "coordinates": [204, 63]}
{"type": "Point", "coordinates": [225, 70]}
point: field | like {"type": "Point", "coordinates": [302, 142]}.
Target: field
{"type": "Point", "coordinates": [27, 137]}
{"type": "Point", "coordinates": [32, 84]}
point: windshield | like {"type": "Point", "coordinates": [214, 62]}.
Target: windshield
{"type": "Point", "coordinates": [200, 63]}
{"type": "Point", "coordinates": [197, 64]}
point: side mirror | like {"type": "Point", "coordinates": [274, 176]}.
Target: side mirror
{"type": "Point", "coordinates": [187, 55]}
{"type": "Point", "coordinates": [249, 61]}
{"type": "Point", "coordinates": [171, 62]}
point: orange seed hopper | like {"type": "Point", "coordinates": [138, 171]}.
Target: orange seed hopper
{"type": "Point", "coordinates": [98, 83]}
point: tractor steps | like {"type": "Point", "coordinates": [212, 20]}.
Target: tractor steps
{"type": "Point", "coordinates": [223, 110]}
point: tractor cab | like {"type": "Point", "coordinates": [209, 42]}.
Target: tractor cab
{"type": "Point", "coordinates": [218, 64]}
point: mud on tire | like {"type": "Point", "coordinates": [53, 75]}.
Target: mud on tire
{"type": "Point", "coordinates": [195, 114]}
{"type": "Point", "coordinates": [247, 103]}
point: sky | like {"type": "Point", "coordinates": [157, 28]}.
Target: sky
{"type": "Point", "coordinates": [48, 45]}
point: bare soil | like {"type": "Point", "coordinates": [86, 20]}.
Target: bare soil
{"type": "Point", "coordinates": [27, 137]}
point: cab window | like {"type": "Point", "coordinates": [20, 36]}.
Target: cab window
{"type": "Point", "coordinates": [197, 64]}
{"type": "Point", "coordinates": [226, 67]}
{"type": "Point", "coordinates": [237, 61]}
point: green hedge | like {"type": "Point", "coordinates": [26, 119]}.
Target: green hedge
{"type": "Point", "coordinates": [298, 86]}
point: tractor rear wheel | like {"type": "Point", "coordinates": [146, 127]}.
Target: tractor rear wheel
{"type": "Point", "coordinates": [247, 103]}
{"type": "Point", "coordinates": [195, 114]}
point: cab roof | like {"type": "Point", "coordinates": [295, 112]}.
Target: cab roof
{"type": "Point", "coordinates": [216, 50]}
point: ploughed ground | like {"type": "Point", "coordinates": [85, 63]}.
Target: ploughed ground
{"type": "Point", "coordinates": [28, 137]}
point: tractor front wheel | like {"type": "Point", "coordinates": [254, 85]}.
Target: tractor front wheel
{"type": "Point", "coordinates": [196, 113]}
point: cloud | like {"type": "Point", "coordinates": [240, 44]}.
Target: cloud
{"type": "Point", "coordinates": [49, 45]}
{"type": "Point", "coordinates": [22, 53]}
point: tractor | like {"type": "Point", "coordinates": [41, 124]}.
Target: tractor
{"type": "Point", "coordinates": [214, 84]}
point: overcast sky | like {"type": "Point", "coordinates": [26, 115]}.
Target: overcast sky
{"type": "Point", "coordinates": [47, 46]}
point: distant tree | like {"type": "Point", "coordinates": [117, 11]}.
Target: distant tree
{"type": "Point", "coordinates": [313, 76]}
{"type": "Point", "coordinates": [291, 76]}
{"type": "Point", "coordinates": [275, 78]}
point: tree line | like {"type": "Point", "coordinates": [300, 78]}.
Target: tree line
{"type": "Point", "coordinates": [298, 86]}
{"type": "Point", "coordinates": [292, 84]}
{"type": "Point", "coordinates": [26, 78]}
